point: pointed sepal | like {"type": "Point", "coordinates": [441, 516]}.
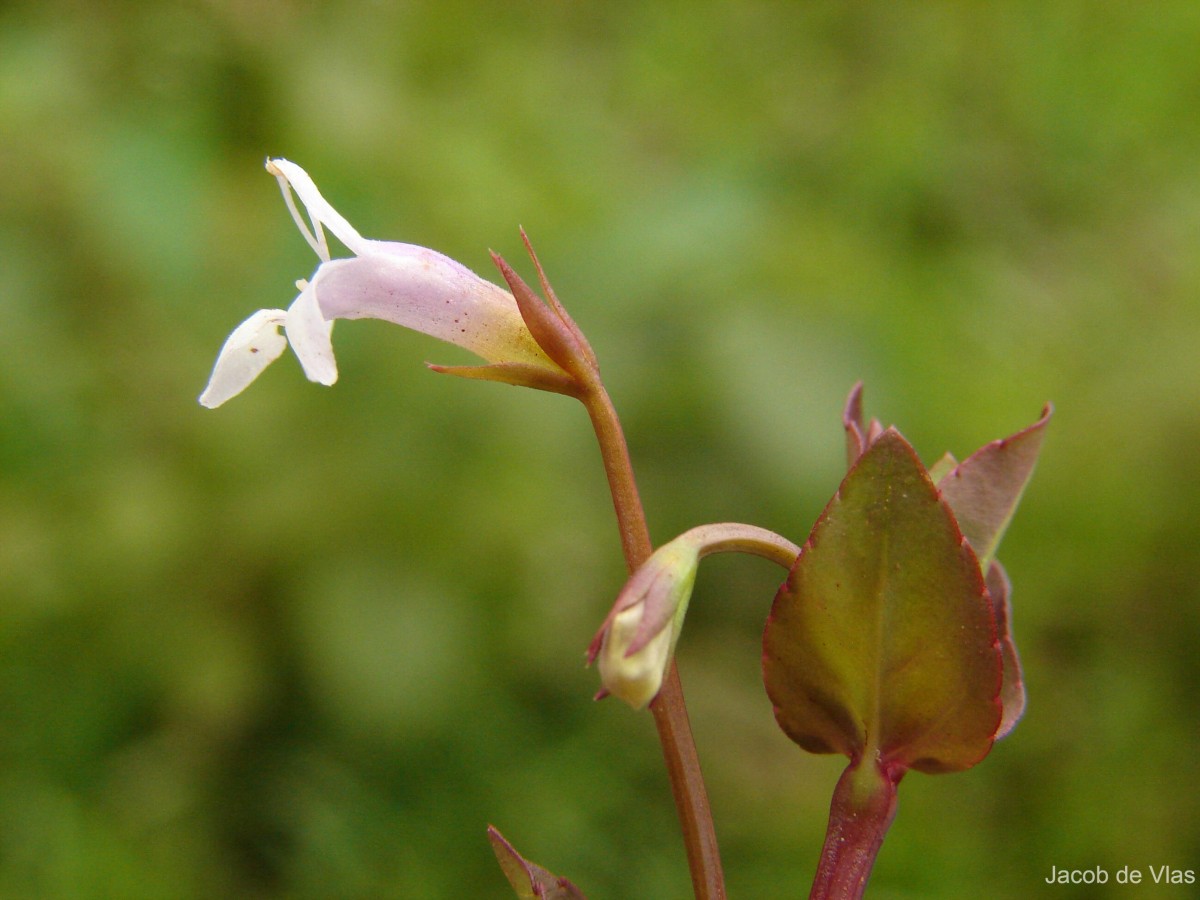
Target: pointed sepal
{"type": "Point", "coordinates": [858, 435]}
{"type": "Point", "coordinates": [554, 331]}
{"type": "Point", "coordinates": [519, 374]}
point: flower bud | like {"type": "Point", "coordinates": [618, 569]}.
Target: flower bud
{"type": "Point", "coordinates": [636, 641]}
{"type": "Point", "coordinates": [634, 676]}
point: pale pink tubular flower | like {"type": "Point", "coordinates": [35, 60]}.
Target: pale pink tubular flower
{"type": "Point", "coordinates": [401, 283]}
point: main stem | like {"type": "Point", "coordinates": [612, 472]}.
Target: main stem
{"type": "Point", "coordinates": [668, 708]}
{"type": "Point", "coordinates": [864, 805]}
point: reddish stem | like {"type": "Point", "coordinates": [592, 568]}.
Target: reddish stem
{"type": "Point", "coordinates": [669, 709]}
{"type": "Point", "coordinates": [864, 804]}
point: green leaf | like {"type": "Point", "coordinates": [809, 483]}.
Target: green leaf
{"type": "Point", "coordinates": [882, 642]}
{"type": "Point", "coordinates": [529, 880]}
{"type": "Point", "coordinates": [985, 488]}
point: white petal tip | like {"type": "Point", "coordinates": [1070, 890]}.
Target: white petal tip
{"type": "Point", "coordinates": [326, 378]}
{"type": "Point", "coordinates": [252, 346]}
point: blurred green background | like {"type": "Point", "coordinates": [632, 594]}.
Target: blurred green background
{"type": "Point", "coordinates": [310, 644]}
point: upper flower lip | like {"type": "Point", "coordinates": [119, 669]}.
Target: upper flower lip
{"type": "Point", "coordinates": [293, 178]}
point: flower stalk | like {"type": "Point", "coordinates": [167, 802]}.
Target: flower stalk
{"type": "Point", "coordinates": [564, 343]}
{"type": "Point", "coordinates": [668, 708]}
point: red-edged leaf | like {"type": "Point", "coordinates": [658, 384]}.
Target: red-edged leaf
{"type": "Point", "coordinates": [1012, 689]}
{"type": "Point", "coordinates": [882, 643]}
{"type": "Point", "coordinates": [984, 489]}
{"type": "Point", "coordinates": [529, 880]}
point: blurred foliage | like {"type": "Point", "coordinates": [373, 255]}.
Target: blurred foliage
{"type": "Point", "coordinates": [310, 644]}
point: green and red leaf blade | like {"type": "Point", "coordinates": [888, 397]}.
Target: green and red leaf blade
{"type": "Point", "coordinates": [882, 644]}
{"type": "Point", "coordinates": [529, 880]}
